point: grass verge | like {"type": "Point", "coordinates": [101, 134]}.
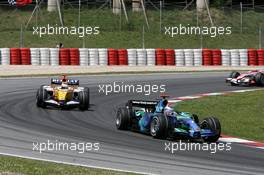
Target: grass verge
{"type": "Point", "coordinates": [21, 166]}
{"type": "Point", "coordinates": [118, 33]}
{"type": "Point", "coordinates": [240, 114]}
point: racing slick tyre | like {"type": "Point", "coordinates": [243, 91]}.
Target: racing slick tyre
{"type": "Point", "coordinates": [259, 79]}
{"type": "Point", "coordinates": [195, 118]}
{"type": "Point", "coordinates": [87, 91]}
{"type": "Point", "coordinates": [214, 125]}
{"type": "Point", "coordinates": [41, 97]}
{"type": "Point", "coordinates": [234, 74]}
{"type": "Point", "coordinates": [122, 118]}
{"type": "Point", "coordinates": [159, 126]}
{"type": "Point", "coordinates": [84, 98]}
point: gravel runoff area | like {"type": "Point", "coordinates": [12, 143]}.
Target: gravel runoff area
{"type": "Point", "coordinates": [29, 70]}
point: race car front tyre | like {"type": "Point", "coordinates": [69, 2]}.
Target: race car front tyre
{"type": "Point", "coordinates": [84, 98]}
{"type": "Point", "coordinates": [159, 126]}
{"type": "Point", "coordinates": [214, 125]}
{"type": "Point", "coordinates": [122, 119]}
{"type": "Point", "coordinates": [233, 84]}
{"type": "Point", "coordinates": [259, 79]}
{"type": "Point", "coordinates": [234, 74]}
{"type": "Point", "coordinates": [41, 97]}
{"type": "Point", "coordinates": [196, 118]}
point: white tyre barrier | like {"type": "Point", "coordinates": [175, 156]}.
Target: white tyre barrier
{"type": "Point", "coordinates": [235, 60]}
{"type": "Point", "coordinates": [54, 56]}
{"type": "Point", "coordinates": [84, 56]}
{"type": "Point", "coordinates": [151, 57]}
{"type": "Point", "coordinates": [44, 56]}
{"type": "Point", "coordinates": [226, 57]}
{"type": "Point", "coordinates": [93, 57]}
{"type": "Point", "coordinates": [5, 56]}
{"type": "Point", "coordinates": [243, 55]}
{"type": "Point", "coordinates": [188, 57]}
{"type": "Point", "coordinates": [141, 57]}
{"type": "Point", "coordinates": [132, 57]}
{"type": "Point", "coordinates": [179, 57]}
{"type": "Point", "coordinates": [35, 56]}
{"type": "Point", "coordinates": [198, 57]}
{"type": "Point", "coordinates": [103, 57]}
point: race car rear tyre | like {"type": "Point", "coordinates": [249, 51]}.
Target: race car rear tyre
{"type": "Point", "coordinates": [234, 74]}
{"type": "Point", "coordinates": [159, 126]}
{"type": "Point", "coordinates": [259, 79]}
{"type": "Point", "coordinates": [122, 119]}
{"type": "Point", "coordinates": [84, 98]}
{"type": "Point", "coordinates": [87, 91]}
{"type": "Point", "coordinates": [41, 97]}
{"type": "Point", "coordinates": [214, 125]}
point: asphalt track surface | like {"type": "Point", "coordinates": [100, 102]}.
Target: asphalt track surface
{"type": "Point", "coordinates": [22, 123]}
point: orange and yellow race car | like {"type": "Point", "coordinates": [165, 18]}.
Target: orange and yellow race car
{"type": "Point", "coordinates": [63, 93]}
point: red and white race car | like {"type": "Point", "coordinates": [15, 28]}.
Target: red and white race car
{"type": "Point", "coordinates": [250, 78]}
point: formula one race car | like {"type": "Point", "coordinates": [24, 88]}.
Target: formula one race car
{"type": "Point", "coordinates": [63, 93]}
{"type": "Point", "coordinates": [159, 120]}
{"type": "Point", "coordinates": [250, 78]}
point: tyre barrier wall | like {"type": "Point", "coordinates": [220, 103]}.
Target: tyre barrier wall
{"type": "Point", "coordinates": [189, 57]}
{"type": "Point", "coordinates": [151, 57]}
{"type": "Point", "coordinates": [25, 56]}
{"type": "Point", "coordinates": [54, 56]}
{"type": "Point", "coordinates": [35, 56]}
{"type": "Point", "coordinates": [198, 57]}
{"type": "Point", "coordinates": [45, 56]}
{"type": "Point", "coordinates": [141, 57]}
{"type": "Point", "coordinates": [93, 57]}
{"type": "Point", "coordinates": [103, 57]}
{"type": "Point", "coordinates": [131, 57]}
{"type": "Point", "coordinates": [74, 56]}
{"type": "Point", "coordinates": [252, 57]}
{"type": "Point", "coordinates": [260, 55]}
{"type": "Point", "coordinates": [216, 57]}
{"type": "Point", "coordinates": [15, 56]}
{"type": "Point", "coordinates": [226, 57]}
{"type": "Point", "coordinates": [84, 56]}
{"type": "Point", "coordinates": [160, 57]}
{"type": "Point", "coordinates": [179, 60]}
{"type": "Point", "coordinates": [122, 57]}
{"type": "Point", "coordinates": [207, 57]}
{"type": "Point", "coordinates": [243, 54]}
{"type": "Point", "coordinates": [64, 56]}
{"type": "Point", "coordinates": [170, 57]}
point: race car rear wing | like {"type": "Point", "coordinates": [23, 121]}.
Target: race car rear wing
{"type": "Point", "coordinates": [142, 103]}
{"type": "Point", "coordinates": [70, 82]}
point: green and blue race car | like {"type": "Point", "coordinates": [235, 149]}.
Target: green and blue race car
{"type": "Point", "coordinates": [161, 121]}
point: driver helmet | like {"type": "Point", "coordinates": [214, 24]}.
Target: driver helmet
{"type": "Point", "coordinates": [161, 105]}
{"type": "Point", "coordinates": [63, 79]}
